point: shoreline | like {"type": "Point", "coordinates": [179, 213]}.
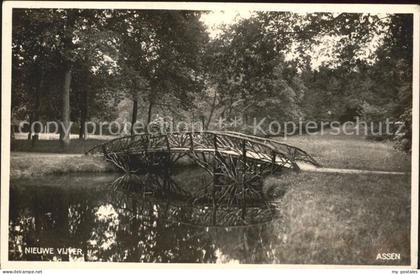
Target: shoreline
{"type": "Point", "coordinates": [27, 164]}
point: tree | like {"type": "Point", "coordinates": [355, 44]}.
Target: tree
{"type": "Point", "coordinates": [253, 78]}
{"type": "Point", "coordinates": [163, 62]}
{"type": "Point", "coordinates": [55, 43]}
{"type": "Point", "coordinates": [159, 57]}
{"type": "Point", "coordinates": [393, 74]}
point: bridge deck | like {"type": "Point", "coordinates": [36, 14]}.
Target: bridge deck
{"type": "Point", "coordinates": [256, 153]}
{"type": "Point", "coordinates": [279, 160]}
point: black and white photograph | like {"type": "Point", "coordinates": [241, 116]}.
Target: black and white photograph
{"type": "Point", "coordinates": [210, 134]}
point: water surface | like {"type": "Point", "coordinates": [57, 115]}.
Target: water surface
{"type": "Point", "coordinates": [141, 218]}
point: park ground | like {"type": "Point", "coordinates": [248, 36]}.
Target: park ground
{"type": "Point", "coordinates": [331, 218]}
{"type": "Point", "coordinates": [331, 151]}
{"type": "Point", "coordinates": [348, 218]}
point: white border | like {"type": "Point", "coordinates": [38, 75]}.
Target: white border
{"type": "Point", "coordinates": [6, 108]}
{"type": "Point", "coordinates": [415, 143]}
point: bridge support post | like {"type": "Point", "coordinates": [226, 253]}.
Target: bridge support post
{"type": "Point", "coordinates": [242, 178]}
{"type": "Point", "coordinates": [191, 141]}
{"type": "Point", "coordinates": [104, 150]}
{"type": "Point", "coordinates": [168, 159]}
{"type": "Point", "coordinates": [215, 181]}
{"type": "Point", "coordinates": [273, 162]}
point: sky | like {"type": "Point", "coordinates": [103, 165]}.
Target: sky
{"type": "Point", "coordinates": [215, 19]}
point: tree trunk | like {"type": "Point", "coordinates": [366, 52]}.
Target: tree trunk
{"type": "Point", "coordinates": [30, 123]}
{"type": "Point", "coordinates": [213, 106]}
{"type": "Point", "coordinates": [68, 48]}
{"type": "Point", "coordinates": [134, 116]}
{"type": "Point", "coordinates": [83, 114]}
{"type": "Point", "coordinates": [37, 108]}
{"type": "Point", "coordinates": [149, 112]}
{"type": "Point", "coordinates": [229, 114]}
{"type": "Point", "coordinates": [203, 122]}
{"type": "Point", "coordinates": [244, 110]}
{"type": "Point", "coordinates": [65, 136]}
{"type": "Point", "coordinates": [12, 132]}
{"type": "Point", "coordinates": [244, 118]}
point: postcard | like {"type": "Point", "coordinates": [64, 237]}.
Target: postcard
{"type": "Point", "coordinates": [208, 134]}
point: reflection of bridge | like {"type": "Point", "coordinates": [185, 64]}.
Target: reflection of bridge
{"type": "Point", "coordinates": [235, 156]}
{"type": "Point", "coordinates": [151, 191]}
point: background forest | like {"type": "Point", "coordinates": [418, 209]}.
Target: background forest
{"type": "Point", "coordinates": [89, 66]}
{"type": "Point", "coordinates": [127, 65]}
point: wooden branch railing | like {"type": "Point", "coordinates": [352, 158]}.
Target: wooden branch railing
{"type": "Point", "coordinates": [219, 143]}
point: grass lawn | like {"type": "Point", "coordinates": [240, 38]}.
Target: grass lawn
{"type": "Point", "coordinates": [350, 151]}
{"type": "Point", "coordinates": [37, 164]}
{"type": "Point", "coordinates": [53, 146]}
{"type": "Point", "coordinates": [334, 151]}
{"type": "Point", "coordinates": [345, 218]}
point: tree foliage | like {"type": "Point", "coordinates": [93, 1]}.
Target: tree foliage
{"type": "Point", "coordinates": [164, 63]}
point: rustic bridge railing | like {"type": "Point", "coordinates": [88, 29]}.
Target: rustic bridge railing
{"type": "Point", "coordinates": [237, 163]}
{"type": "Point", "coordinates": [228, 154]}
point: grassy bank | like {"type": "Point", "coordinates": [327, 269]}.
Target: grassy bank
{"type": "Point", "coordinates": [345, 219]}
{"type": "Point", "coordinates": [54, 146]}
{"type": "Point", "coordinates": [340, 151]}
{"type": "Point", "coordinates": [351, 151]}
{"type": "Point", "coordinates": [38, 164]}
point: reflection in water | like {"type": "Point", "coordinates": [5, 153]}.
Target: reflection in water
{"type": "Point", "coordinates": [149, 218]}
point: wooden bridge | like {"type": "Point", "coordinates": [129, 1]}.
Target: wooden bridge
{"type": "Point", "coordinates": [232, 155]}
{"type": "Point", "coordinates": [237, 163]}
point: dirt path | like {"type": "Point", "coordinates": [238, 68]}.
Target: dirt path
{"type": "Point", "coordinates": [39, 155]}
{"type": "Point", "coordinates": [311, 168]}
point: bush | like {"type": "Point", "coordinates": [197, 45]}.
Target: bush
{"type": "Point", "coordinates": [403, 137]}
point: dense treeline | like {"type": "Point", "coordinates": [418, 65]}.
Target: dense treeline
{"type": "Point", "coordinates": [95, 65]}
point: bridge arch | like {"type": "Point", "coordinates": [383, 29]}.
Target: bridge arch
{"type": "Point", "coordinates": [227, 154]}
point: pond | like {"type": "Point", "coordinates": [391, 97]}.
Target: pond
{"type": "Point", "coordinates": [183, 217]}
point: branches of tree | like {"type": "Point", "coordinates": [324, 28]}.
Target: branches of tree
{"type": "Point", "coordinates": [76, 65]}
{"type": "Point", "coordinates": [250, 65]}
